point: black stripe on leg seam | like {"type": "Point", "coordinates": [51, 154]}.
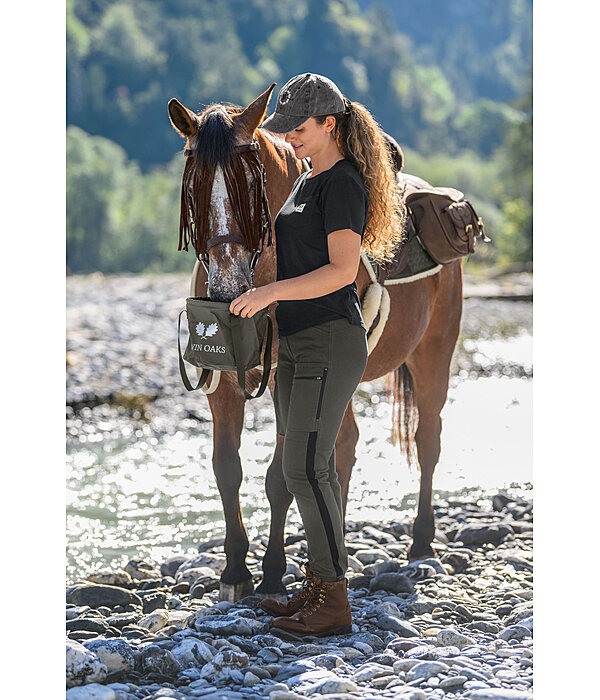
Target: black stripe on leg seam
{"type": "Point", "coordinates": [325, 517]}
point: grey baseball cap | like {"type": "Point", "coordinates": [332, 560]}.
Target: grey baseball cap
{"type": "Point", "coordinates": [304, 96]}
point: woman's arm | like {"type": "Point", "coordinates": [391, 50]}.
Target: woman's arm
{"type": "Point", "coordinates": [344, 258]}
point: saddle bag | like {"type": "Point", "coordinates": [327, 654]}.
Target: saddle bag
{"type": "Point", "coordinates": [446, 223]}
{"type": "Point", "coordinates": [221, 340]}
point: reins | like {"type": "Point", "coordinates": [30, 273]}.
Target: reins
{"type": "Point", "coordinates": [196, 188]}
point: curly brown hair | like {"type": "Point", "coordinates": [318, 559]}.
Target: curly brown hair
{"type": "Point", "coordinates": [359, 138]}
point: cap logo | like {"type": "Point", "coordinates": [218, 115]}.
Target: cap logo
{"type": "Point", "coordinates": [284, 97]}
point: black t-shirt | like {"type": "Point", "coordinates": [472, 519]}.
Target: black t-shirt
{"type": "Point", "coordinates": [332, 200]}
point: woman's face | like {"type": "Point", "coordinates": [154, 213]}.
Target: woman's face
{"type": "Point", "coordinates": [310, 137]}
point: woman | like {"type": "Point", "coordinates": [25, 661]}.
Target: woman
{"type": "Point", "coordinates": [349, 198]}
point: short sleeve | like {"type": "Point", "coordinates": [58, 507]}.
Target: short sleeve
{"type": "Point", "coordinates": [343, 204]}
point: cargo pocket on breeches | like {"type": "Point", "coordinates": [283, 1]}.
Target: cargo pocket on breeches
{"type": "Point", "coordinates": [306, 398]}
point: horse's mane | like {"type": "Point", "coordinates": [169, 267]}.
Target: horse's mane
{"type": "Point", "coordinates": [215, 138]}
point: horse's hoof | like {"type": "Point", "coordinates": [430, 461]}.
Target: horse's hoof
{"type": "Point", "coordinates": [416, 555]}
{"type": "Point", "coordinates": [232, 592]}
{"type": "Point", "coordinates": [272, 589]}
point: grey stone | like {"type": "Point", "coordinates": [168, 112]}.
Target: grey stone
{"type": "Point", "coordinates": [167, 693]}
{"type": "Point", "coordinates": [120, 620]}
{"type": "Point", "coordinates": [394, 582]}
{"type": "Point", "coordinates": [395, 624]}
{"type": "Point", "coordinates": [410, 694]}
{"type": "Point", "coordinates": [170, 566]}
{"type": "Point", "coordinates": [96, 595]}
{"type": "Point", "coordinates": [229, 624]}
{"type": "Point", "coordinates": [76, 611]}
{"type": "Point", "coordinates": [115, 654]}
{"type": "Point", "coordinates": [225, 661]}
{"type": "Point", "coordinates": [426, 669]}
{"type": "Point", "coordinates": [153, 601]}
{"type": "Point", "coordinates": [382, 567]}
{"type": "Point", "coordinates": [153, 659]}
{"type": "Point", "coordinates": [499, 694]}
{"type": "Point", "coordinates": [451, 637]}
{"type": "Point", "coordinates": [333, 686]}
{"type": "Point", "coordinates": [83, 666]}
{"type": "Point", "coordinates": [250, 679]}
{"type": "Point", "coordinates": [453, 682]}
{"type": "Point", "coordinates": [328, 661]}
{"type": "Point", "coordinates": [87, 624]}
{"type": "Point", "coordinates": [92, 691]}
{"type": "Point", "coordinates": [369, 671]}
{"type": "Point", "coordinates": [295, 669]}
{"type": "Point", "coordinates": [483, 534]}
{"type": "Point", "coordinates": [193, 652]}
{"type": "Point", "coordinates": [514, 632]}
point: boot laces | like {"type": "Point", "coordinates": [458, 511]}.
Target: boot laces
{"type": "Point", "coordinates": [316, 600]}
{"type": "Point", "coordinates": [307, 585]}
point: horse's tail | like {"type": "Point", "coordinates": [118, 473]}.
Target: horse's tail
{"type": "Point", "coordinates": [405, 414]}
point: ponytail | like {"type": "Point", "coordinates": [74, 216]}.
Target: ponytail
{"type": "Point", "coordinates": [360, 140]}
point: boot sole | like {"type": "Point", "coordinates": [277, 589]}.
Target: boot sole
{"type": "Point", "coordinates": [330, 633]}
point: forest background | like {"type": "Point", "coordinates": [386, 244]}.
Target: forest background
{"type": "Point", "coordinates": [451, 81]}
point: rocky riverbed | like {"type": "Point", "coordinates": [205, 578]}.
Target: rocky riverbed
{"type": "Point", "coordinates": [144, 625]}
{"type": "Point", "coordinates": [458, 625]}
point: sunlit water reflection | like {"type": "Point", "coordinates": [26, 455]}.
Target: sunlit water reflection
{"type": "Point", "coordinates": [140, 491]}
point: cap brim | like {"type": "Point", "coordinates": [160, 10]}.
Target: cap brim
{"type": "Point", "coordinates": [281, 124]}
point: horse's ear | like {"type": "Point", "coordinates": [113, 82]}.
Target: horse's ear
{"type": "Point", "coordinates": [183, 120]}
{"type": "Point", "coordinates": [254, 114]}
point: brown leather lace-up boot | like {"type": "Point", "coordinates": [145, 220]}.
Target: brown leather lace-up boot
{"type": "Point", "coordinates": [327, 611]}
{"type": "Point", "coordinates": [277, 608]}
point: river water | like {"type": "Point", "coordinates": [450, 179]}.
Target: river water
{"type": "Point", "coordinates": [139, 473]}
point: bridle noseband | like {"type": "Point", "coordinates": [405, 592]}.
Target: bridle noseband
{"type": "Point", "coordinates": [266, 224]}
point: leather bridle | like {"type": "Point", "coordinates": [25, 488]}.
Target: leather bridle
{"type": "Point", "coordinates": [266, 225]}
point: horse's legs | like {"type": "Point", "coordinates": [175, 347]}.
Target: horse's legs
{"type": "Point", "coordinates": [236, 579]}
{"type": "Point", "coordinates": [280, 500]}
{"type": "Point", "coordinates": [429, 365]}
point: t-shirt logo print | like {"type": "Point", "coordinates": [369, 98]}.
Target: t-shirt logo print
{"type": "Point", "coordinates": [300, 207]}
{"type": "Point", "coordinates": [211, 329]}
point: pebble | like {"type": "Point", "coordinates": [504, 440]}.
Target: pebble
{"type": "Point", "coordinates": [115, 654]}
{"type": "Point", "coordinates": [456, 627]}
{"type": "Point", "coordinates": [92, 691]}
{"type": "Point", "coordinates": [83, 665]}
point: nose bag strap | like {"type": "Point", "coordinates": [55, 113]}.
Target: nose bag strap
{"type": "Point", "coordinates": [238, 352]}
{"type": "Point", "coordinates": [184, 378]}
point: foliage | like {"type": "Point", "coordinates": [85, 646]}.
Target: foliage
{"type": "Point", "coordinates": [442, 78]}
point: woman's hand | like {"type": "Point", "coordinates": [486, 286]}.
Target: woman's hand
{"type": "Point", "coordinates": [255, 299]}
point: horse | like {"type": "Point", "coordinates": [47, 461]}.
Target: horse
{"type": "Point", "coordinates": [414, 351]}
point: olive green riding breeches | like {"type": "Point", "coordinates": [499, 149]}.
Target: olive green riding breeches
{"type": "Point", "coordinates": [318, 370]}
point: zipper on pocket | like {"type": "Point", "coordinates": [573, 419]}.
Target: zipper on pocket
{"type": "Point", "coordinates": [324, 377]}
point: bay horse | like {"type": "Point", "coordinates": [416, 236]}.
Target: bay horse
{"type": "Point", "coordinates": [414, 350]}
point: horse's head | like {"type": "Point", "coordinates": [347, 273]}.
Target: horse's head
{"type": "Point", "coordinates": [223, 190]}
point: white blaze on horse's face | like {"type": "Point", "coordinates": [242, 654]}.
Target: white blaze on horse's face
{"type": "Point", "coordinates": [221, 214]}
{"type": "Point", "coordinates": [233, 262]}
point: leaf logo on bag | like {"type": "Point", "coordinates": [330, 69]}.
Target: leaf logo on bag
{"type": "Point", "coordinates": [210, 330]}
